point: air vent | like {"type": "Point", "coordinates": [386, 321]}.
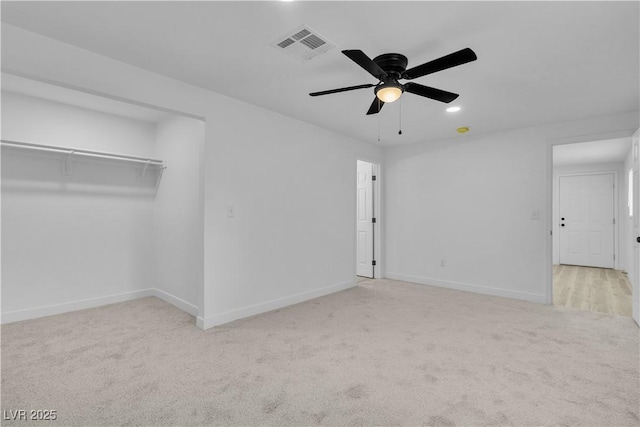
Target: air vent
{"type": "Point", "coordinates": [285, 43]}
{"type": "Point", "coordinates": [303, 43]}
{"type": "Point", "coordinates": [312, 42]}
{"type": "Point", "coordinates": [301, 34]}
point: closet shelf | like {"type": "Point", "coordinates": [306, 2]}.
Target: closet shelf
{"type": "Point", "coordinates": [70, 152]}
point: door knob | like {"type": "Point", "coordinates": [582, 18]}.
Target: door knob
{"type": "Point", "coordinates": [562, 225]}
{"type": "Point", "coordinates": [638, 239]}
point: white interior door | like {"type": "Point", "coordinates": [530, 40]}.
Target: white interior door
{"type": "Point", "coordinates": [587, 220]}
{"type": "Point", "coordinates": [364, 219]}
{"type": "Point", "coordinates": [635, 279]}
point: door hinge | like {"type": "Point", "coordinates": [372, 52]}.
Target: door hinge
{"type": "Point", "coordinates": [614, 221]}
{"type": "Point", "coordinates": [614, 257]}
{"type": "Point", "coordinates": [373, 262]}
{"type": "Point", "coordinates": [373, 178]}
{"type": "Point", "coordinates": [373, 220]}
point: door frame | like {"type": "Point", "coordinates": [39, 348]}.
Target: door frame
{"type": "Point", "coordinates": [635, 225]}
{"type": "Point", "coordinates": [556, 212]}
{"type": "Point", "coordinates": [378, 229]}
{"type": "Point", "coordinates": [550, 143]}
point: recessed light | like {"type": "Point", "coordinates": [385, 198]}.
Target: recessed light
{"type": "Point", "coordinates": [453, 109]}
{"type": "Point", "coordinates": [463, 129]}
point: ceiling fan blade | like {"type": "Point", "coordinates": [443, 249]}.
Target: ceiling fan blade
{"type": "Point", "coordinates": [430, 92]}
{"type": "Point", "coordinates": [376, 106]}
{"type": "Point", "coordinates": [342, 89]}
{"type": "Point", "coordinates": [452, 60]}
{"type": "Point", "coordinates": [360, 58]}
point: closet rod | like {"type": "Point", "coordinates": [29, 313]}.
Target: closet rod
{"type": "Point", "coordinates": [81, 152]}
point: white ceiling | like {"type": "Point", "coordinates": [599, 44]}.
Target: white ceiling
{"type": "Point", "coordinates": [606, 151]}
{"type": "Point", "coordinates": [538, 62]}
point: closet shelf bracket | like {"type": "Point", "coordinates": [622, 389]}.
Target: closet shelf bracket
{"type": "Point", "coordinates": [66, 168]}
{"type": "Point", "coordinates": [144, 171]}
{"type": "Point", "coordinates": [164, 166]}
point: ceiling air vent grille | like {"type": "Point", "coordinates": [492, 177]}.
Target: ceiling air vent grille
{"type": "Point", "coordinates": [312, 42]}
{"type": "Point", "coordinates": [285, 43]}
{"type": "Point", "coordinates": [303, 43]}
{"type": "Point", "coordinates": [301, 34]}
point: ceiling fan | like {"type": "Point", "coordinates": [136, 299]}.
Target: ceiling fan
{"type": "Point", "coordinates": [391, 67]}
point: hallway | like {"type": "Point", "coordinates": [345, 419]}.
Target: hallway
{"type": "Point", "coordinates": [601, 290]}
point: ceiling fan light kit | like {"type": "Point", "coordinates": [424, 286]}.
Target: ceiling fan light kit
{"type": "Point", "coordinates": [389, 68]}
{"type": "Point", "coordinates": [388, 92]}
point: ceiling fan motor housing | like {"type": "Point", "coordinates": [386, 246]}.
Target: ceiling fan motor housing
{"type": "Point", "coordinates": [393, 64]}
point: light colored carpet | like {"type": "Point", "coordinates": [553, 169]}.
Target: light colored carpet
{"type": "Point", "coordinates": [383, 353]}
{"type": "Point", "coordinates": [589, 288]}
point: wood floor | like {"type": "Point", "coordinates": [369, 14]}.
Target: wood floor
{"type": "Point", "coordinates": [595, 289]}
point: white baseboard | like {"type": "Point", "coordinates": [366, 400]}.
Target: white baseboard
{"type": "Point", "coordinates": [50, 310]}
{"type": "Point", "coordinates": [229, 316]}
{"type": "Point", "coordinates": [202, 323]}
{"type": "Point", "coordinates": [175, 301]}
{"type": "Point", "coordinates": [485, 290]}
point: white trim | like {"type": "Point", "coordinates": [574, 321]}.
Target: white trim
{"type": "Point", "coordinates": [468, 287]}
{"type": "Point", "coordinates": [629, 188]}
{"type": "Point", "coordinates": [377, 189]}
{"type": "Point", "coordinates": [50, 310]}
{"type": "Point", "coordinates": [548, 247]}
{"type": "Point", "coordinates": [175, 301]}
{"type": "Point", "coordinates": [202, 323]}
{"type": "Point", "coordinates": [252, 310]}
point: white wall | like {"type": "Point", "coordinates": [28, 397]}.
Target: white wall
{"type": "Point", "coordinates": [619, 211]}
{"type": "Point", "coordinates": [292, 183]}
{"type": "Point", "coordinates": [41, 121]}
{"type": "Point", "coordinates": [469, 201]}
{"type": "Point", "coordinates": [72, 241]}
{"type": "Point", "coordinates": [293, 189]}
{"type": "Point", "coordinates": [178, 223]}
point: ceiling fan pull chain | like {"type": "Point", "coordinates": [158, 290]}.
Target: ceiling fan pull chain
{"type": "Point", "coordinates": [378, 119]}
{"type": "Point", "coordinates": [400, 120]}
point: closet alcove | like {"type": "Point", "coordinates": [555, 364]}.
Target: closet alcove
{"type": "Point", "coordinates": [101, 202]}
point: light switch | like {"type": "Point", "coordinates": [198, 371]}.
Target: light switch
{"type": "Point", "coordinates": [535, 214]}
{"type": "Point", "coordinates": [231, 211]}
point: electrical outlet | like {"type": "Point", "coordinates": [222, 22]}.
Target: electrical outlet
{"type": "Point", "coordinates": [442, 263]}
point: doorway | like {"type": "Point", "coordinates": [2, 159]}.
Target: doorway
{"type": "Point", "coordinates": [590, 253]}
{"type": "Point", "coordinates": [367, 231]}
